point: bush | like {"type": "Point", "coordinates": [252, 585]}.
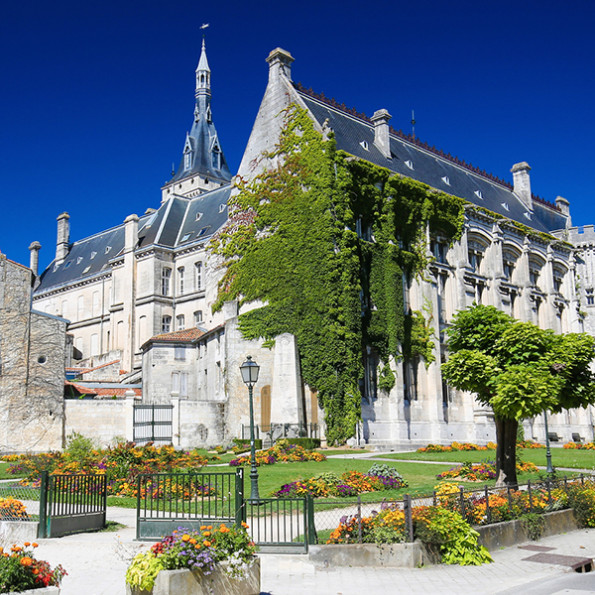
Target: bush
{"type": "Point", "coordinates": [20, 570]}
{"type": "Point", "coordinates": [307, 443]}
{"type": "Point", "coordinates": [241, 445]}
{"type": "Point", "coordinates": [581, 498]}
{"type": "Point", "coordinates": [79, 448]}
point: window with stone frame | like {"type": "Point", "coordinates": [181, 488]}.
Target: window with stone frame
{"type": "Point", "coordinates": [199, 276]}
{"type": "Point", "coordinates": [198, 318]}
{"type": "Point", "coordinates": [535, 268]}
{"type": "Point", "coordinates": [509, 259]}
{"type": "Point", "coordinates": [558, 278]}
{"type": "Point", "coordinates": [180, 322]}
{"type": "Point", "coordinates": [165, 280]}
{"type": "Point", "coordinates": [439, 249]}
{"type": "Point", "coordinates": [180, 353]}
{"type": "Point", "coordinates": [165, 324]}
{"type": "Point", "coordinates": [181, 280]}
{"type": "Point", "coordinates": [589, 296]}
{"type": "Point", "coordinates": [475, 253]}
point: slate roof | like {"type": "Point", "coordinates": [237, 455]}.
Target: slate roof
{"type": "Point", "coordinates": [177, 222]}
{"type": "Point", "coordinates": [354, 134]}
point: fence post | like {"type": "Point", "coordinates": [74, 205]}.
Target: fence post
{"type": "Point", "coordinates": [239, 497]}
{"type": "Point", "coordinates": [359, 519]}
{"type": "Point", "coordinates": [103, 483]}
{"type": "Point", "coordinates": [312, 534]}
{"type": "Point", "coordinates": [42, 530]}
{"type": "Point", "coordinates": [138, 496]}
{"type": "Point", "coordinates": [408, 517]}
{"type": "Point", "coordinates": [488, 511]}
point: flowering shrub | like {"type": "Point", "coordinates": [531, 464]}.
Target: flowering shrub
{"type": "Point", "coordinates": [122, 464]}
{"type": "Point", "coordinates": [348, 484]}
{"type": "Point", "coordinates": [581, 497]}
{"type": "Point", "coordinates": [281, 452]}
{"type": "Point", "coordinates": [580, 446]}
{"type": "Point", "coordinates": [481, 471]}
{"type": "Point", "coordinates": [20, 570]}
{"type": "Point", "coordinates": [467, 446]}
{"type": "Point", "coordinates": [13, 509]}
{"type": "Point", "coordinates": [195, 550]}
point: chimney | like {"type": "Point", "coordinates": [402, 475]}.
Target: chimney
{"type": "Point", "coordinates": [381, 139]}
{"type": "Point", "coordinates": [63, 237]}
{"type": "Point", "coordinates": [34, 249]}
{"type": "Point", "coordinates": [130, 232]}
{"type": "Point", "coordinates": [279, 64]}
{"type": "Point", "coordinates": [564, 207]}
{"type": "Point", "coordinates": [521, 182]}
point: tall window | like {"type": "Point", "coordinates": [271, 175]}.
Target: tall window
{"type": "Point", "coordinates": [198, 318]}
{"type": "Point", "coordinates": [475, 257]}
{"type": "Point", "coordinates": [166, 324]}
{"type": "Point", "coordinates": [180, 322]}
{"type": "Point", "coordinates": [590, 297]}
{"type": "Point", "coordinates": [183, 384]}
{"type": "Point", "coordinates": [199, 276]}
{"type": "Point", "coordinates": [94, 344]}
{"type": "Point", "coordinates": [180, 353]}
{"type": "Point", "coordinates": [95, 304]}
{"type": "Point", "coordinates": [181, 280]}
{"type": "Point", "coordinates": [508, 263]}
{"type": "Point", "coordinates": [165, 279]}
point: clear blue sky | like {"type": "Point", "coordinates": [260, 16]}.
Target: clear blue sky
{"type": "Point", "coordinates": [97, 96]}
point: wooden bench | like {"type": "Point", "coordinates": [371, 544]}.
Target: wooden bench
{"type": "Point", "coordinates": [577, 437]}
{"type": "Point", "coordinates": [553, 436]}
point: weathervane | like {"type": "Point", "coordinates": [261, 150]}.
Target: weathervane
{"type": "Point", "coordinates": [413, 124]}
{"type": "Point", "coordinates": [203, 27]}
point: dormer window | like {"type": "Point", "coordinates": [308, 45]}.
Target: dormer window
{"type": "Point", "coordinates": [187, 160]}
{"type": "Point", "coordinates": [198, 216]}
{"type": "Point", "coordinates": [446, 180]}
{"type": "Point", "coordinates": [409, 164]}
{"type": "Point", "coordinates": [505, 206]}
{"type": "Point", "coordinates": [364, 145]}
{"type": "Point", "coordinates": [479, 194]}
{"type": "Point", "coordinates": [222, 207]}
{"type": "Point", "coordinates": [107, 249]}
{"type": "Point", "coordinates": [216, 157]}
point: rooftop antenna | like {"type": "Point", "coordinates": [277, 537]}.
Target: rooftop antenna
{"type": "Point", "coordinates": [173, 171]}
{"type": "Point", "coordinates": [413, 124]}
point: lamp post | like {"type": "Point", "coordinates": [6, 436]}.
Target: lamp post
{"type": "Point", "coordinates": [249, 370]}
{"type": "Point", "coordinates": [548, 452]}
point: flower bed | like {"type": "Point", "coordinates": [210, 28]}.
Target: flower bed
{"type": "Point", "coordinates": [350, 483]}
{"type": "Point", "coordinates": [281, 452]}
{"type": "Point", "coordinates": [12, 510]}
{"type": "Point", "coordinates": [204, 550]}
{"type": "Point", "coordinates": [579, 446]}
{"type": "Point", "coordinates": [122, 464]}
{"type": "Point", "coordinates": [481, 471]}
{"type": "Point", "coordinates": [469, 446]}
{"type": "Point", "coordinates": [21, 571]}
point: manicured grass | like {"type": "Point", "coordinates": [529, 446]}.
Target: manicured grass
{"type": "Point", "coordinates": [561, 457]}
{"type": "Point", "coordinates": [3, 472]}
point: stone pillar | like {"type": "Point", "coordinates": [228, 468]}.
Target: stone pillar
{"type": "Point", "coordinates": [279, 64]}
{"type": "Point", "coordinates": [175, 419]}
{"type": "Point", "coordinates": [127, 278]}
{"type": "Point", "coordinates": [564, 207]}
{"type": "Point", "coordinates": [286, 389]}
{"type": "Point", "coordinates": [129, 414]}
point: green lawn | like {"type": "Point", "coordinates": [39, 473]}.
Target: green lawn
{"type": "Point", "coordinates": [4, 474]}
{"type": "Point", "coordinates": [561, 457]}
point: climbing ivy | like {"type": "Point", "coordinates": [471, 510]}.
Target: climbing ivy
{"type": "Point", "coordinates": [327, 242]}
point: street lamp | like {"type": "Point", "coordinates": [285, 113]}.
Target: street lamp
{"type": "Point", "coordinates": [548, 452]}
{"type": "Point", "coordinates": [249, 370]}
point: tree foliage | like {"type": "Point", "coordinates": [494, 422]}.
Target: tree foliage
{"type": "Point", "coordinates": [517, 368]}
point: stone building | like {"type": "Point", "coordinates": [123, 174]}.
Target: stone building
{"type": "Point", "coordinates": [145, 288]}
{"type": "Point", "coordinates": [34, 349]}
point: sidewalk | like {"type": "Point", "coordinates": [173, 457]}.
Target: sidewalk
{"type": "Point", "coordinates": [97, 562]}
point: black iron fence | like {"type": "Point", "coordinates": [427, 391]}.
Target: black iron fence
{"type": "Point", "coordinates": [71, 504]}
{"type": "Point", "coordinates": [166, 501]}
{"type": "Point", "coordinates": [480, 506]}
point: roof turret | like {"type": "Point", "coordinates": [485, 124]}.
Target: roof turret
{"type": "Point", "coordinates": [202, 155]}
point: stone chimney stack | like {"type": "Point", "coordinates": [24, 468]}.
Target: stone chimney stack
{"type": "Point", "coordinates": [279, 64]}
{"type": "Point", "coordinates": [63, 237]}
{"type": "Point", "coordinates": [34, 249]}
{"type": "Point", "coordinates": [564, 207]}
{"type": "Point", "coordinates": [521, 182]}
{"type": "Point", "coordinates": [381, 139]}
{"type": "Point", "coordinates": [130, 233]}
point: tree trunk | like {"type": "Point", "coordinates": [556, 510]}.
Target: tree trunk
{"type": "Point", "coordinates": [506, 433]}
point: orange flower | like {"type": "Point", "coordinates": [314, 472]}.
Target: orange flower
{"type": "Point", "coordinates": [203, 527]}
{"type": "Point", "coordinates": [207, 534]}
{"type": "Point", "coordinates": [210, 527]}
{"type": "Point", "coordinates": [245, 525]}
{"type": "Point", "coordinates": [198, 546]}
{"type": "Point", "coordinates": [27, 544]}
{"type": "Point", "coordinates": [193, 541]}
{"type": "Point", "coordinates": [185, 537]}
{"type": "Point", "coordinates": [207, 543]}
{"type": "Point", "coordinates": [26, 561]}
{"type": "Point", "coordinates": [34, 544]}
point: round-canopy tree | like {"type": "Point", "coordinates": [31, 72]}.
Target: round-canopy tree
{"type": "Point", "coordinates": [519, 370]}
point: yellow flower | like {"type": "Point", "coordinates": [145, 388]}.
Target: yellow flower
{"type": "Point", "coordinates": [206, 543]}
{"type": "Point", "coordinates": [185, 537]}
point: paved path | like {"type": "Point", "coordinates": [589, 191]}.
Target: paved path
{"type": "Point", "coordinates": [97, 562]}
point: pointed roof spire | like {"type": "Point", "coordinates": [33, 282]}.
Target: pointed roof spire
{"type": "Point", "coordinates": [202, 154]}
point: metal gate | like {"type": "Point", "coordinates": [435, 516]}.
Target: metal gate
{"type": "Point", "coordinates": [168, 501]}
{"type": "Point", "coordinates": [153, 423]}
{"type": "Point", "coordinates": [71, 504]}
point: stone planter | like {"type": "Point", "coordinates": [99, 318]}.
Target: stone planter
{"type": "Point", "coordinates": [188, 582]}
